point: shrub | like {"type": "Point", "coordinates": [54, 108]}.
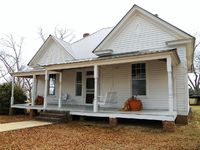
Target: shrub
{"type": "Point", "coordinates": [5, 95]}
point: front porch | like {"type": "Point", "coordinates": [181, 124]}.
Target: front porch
{"type": "Point", "coordinates": [87, 110]}
{"type": "Point", "coordinates": [103, 75]}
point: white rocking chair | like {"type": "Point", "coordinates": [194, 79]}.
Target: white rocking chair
{"type": "Point", "coordinates": [66, 98]}
{"type": "Point", "coordinates": [109, 100]}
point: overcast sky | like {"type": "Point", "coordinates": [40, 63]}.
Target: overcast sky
{"type": "Point", "coordinates": [22, 18]}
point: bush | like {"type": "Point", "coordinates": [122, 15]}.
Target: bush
{"type": "Point", "coordinates": [5, 95]}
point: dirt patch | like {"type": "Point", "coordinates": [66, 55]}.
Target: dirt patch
{"type": "Point", "coordinates": [89, 135]}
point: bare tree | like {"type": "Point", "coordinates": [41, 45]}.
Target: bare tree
{"type": "Point", "coordinates": [42, 34]}
{"type": "Point", "coordinates": [10, 61]}
{"type": "Point", "coordinates": [194, 81]}
{"type": "Point", "coordinates": [60, 32]}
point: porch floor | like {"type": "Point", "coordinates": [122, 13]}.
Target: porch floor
{"type": "Point", "coordinates": [87, 110]}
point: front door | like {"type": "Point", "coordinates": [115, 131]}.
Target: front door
{"type": "Point", "coordinates": [89, 87]}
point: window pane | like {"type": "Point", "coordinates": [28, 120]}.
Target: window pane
{"type": "Point", "coordinates": [78, 83]}
{"type": "Point", "coordinates": [139, 87]}
{"type": "Point", "coordinates": [78, 89]}
{"type": "Point", "coordinates": [138, 79]}
{"type": "Point", "coordinates": [90, 83]}
{"type": "Point", "coordinates": [79, 77]}
{"type": "Point", "coordinates": [52, 84]}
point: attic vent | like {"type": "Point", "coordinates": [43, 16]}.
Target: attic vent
{"type": "Point", "coordinates": [106, 52]}
{"type": "Point", "coordinates": [86, 34]}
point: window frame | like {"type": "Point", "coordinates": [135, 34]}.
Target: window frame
{"type": "Point", "coordinates": [53, 77]}
{"type": "Point", "coordinates": [139, 78]}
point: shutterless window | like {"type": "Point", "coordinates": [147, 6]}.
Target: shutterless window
{"type": "Point", "coordinates": [78, 83]}
{"type": "Point", "coordinates": [52, 84]}
{"type": "Point", "coordinates": [139, 79]}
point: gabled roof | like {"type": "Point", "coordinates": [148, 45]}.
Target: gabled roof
{"type": "Point", "coordinates": [87, 48]}
{"type": "Point", "coordinates": [66, 46]}
{"type": "Point", "coordinates": [81, 49]}
{"type": "Point", "coordinates": [135, 9]}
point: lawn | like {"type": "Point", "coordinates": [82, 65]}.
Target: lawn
{"type": "Point", "coordinates": [90, 135]}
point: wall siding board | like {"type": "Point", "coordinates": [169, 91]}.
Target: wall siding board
{"type": "Point", "coordinates": [118, 78]}
{"type": "Point", "coordinates": [180, 79]}
{"type": "Point", "coordinates": [52, 54]}
{"type": "Point", "coordinates": [139, 33]}
{"type": "Point", "coordinates": [40, 85]}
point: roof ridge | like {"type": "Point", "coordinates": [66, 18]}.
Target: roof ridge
{"type": "Point", "coordinates": [62, 44]}
{"type": "Point", "coordinates": [91, 34]}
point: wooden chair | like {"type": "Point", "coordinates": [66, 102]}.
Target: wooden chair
{"type": "Point", "coordinates": [109, 100]}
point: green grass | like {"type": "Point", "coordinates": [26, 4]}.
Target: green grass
{"type": "Point", "coordinates": [196, 109]}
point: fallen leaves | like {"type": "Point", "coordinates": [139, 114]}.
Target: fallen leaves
{"type": "Point", "coordinates": [14, 118]}
{"type": "Point", "coordinates": [90, 135]}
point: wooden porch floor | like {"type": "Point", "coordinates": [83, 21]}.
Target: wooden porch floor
{"type": "Point", "coordinates": [87, 110]}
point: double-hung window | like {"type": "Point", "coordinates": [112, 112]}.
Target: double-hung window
{"type": "Point", "coordinates": [139, 79]}
{"type": "Point", "coordinates": [78, 83]}
{"type": "Point", "coordinates": [52, 84]}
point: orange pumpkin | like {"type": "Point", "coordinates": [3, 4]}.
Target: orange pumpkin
{"type": "Point", "coordinates": [135, 104]}
{"type": "Point", "coordinates": [39, 100]}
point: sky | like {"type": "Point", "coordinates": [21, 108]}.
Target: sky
{"type": "Point", "coordinates": [23, 18]}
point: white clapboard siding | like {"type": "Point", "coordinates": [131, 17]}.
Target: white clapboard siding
{"type": "Point", "coordinates": [40, 85]}
{"type": "Point", "coordinates": [116, 78]}
{"type": "Point", "coordinates": [68, 84]}
{"type": "Point", "coordinates": [157, 86]}
{"type": "Point", "coordinates": [51, 99]}
{"type": "Point", "coordinates": [52, 54]}
{"type": "Point", "coordinates": [139, 33]}
{"type": "Point", "coordinates": [181, 84]}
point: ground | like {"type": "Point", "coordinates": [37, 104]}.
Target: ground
{"type": "Point", "coordinates": [6, 119]}
{"type": "Point", "coordinates": [90, 135]}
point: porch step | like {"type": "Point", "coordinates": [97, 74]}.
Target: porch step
{"type": "Point", "coordinates": [53, 116]}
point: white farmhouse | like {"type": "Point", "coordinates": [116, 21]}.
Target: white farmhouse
{"type": "Point", "coordinates": [142, 55]}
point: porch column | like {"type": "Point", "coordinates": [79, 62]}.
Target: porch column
{"type": "Point", "coordinates": [46, 89]}
{"type": "Point", "coordinates": [33, 91]}
{"type": "Point", "coordinates": [170, 84]}
{"type": "Point", "coordinates": [60, 90]}
{"type": "Point", "coordinates": [12, 91]}
{"type": "Point", "coordinates": [95, 102]}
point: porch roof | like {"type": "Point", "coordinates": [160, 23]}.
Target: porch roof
{"type": "Point", "coordinates": [143, 55]}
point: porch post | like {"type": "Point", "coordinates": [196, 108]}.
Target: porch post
{"type": "Point", "coordinates": [33, 90]}
{"type": "Point", "coordinates": [46, 89]}
{"type": "Point", "coordinates": [60, 90]}
{"type": "Point", "coordinates": [12, 91]}
{"type": "Point", "coordinates": [95, 102]}
{"type": "Point", "coordinates": [170, 84]}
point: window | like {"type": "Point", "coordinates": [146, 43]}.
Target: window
{"type": "Point", "coordinates": [52, 84]}
{"type": "Point", "coordinates": [138, 79]}
{"type": "Point", "coordinates": [78, 83]}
